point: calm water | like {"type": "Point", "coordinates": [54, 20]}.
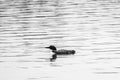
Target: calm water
{"type": "Point", "coordinates": [91, 27]}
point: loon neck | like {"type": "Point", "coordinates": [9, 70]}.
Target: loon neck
{"type": "Point", "coordinates": [54, 50]}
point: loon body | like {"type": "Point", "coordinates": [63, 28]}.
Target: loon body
{"type": "Point", "coordinates": [61, 52]}
{"type": "Point", "coordinates": [64, 52]}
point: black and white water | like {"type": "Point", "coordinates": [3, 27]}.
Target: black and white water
{"type": "Point", "coordinates": [91, 27]}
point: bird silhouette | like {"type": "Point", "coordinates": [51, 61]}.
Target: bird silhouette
{"type": "Point", "coordinates": [61, 51]}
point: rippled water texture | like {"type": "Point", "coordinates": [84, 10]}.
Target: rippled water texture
{"type": "Point", "coordinates": [91, 27]}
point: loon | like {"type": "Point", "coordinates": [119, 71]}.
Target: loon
{"type": "Point", "coordinates": [60, 52]}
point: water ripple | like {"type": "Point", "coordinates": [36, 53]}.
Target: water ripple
{"type": "Point", "coordinates": [91, 27]}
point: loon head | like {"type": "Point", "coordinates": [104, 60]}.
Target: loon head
{"type": "Point", "coordinates": [52, 47]}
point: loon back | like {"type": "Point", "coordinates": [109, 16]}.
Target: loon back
{"type": "Point", "coordinates": [64, 52]}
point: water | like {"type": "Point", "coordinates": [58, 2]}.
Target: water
{"type": "Point", "coordinates": [91, 27]}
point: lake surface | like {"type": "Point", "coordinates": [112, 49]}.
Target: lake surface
{"type": "Point", "coordinates": [91, 27]}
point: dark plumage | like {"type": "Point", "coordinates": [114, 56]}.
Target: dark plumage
{"type": "Point", "coordinates": [51, 47]}
{"type": "Point", "coordinates": [61, 52]}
